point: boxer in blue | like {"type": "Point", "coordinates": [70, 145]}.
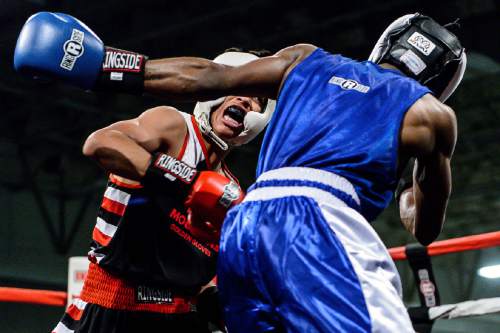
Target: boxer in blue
{"type": "Point", "coordinates": [299, 254]}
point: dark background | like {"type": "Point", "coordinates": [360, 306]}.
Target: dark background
{"type": "Point", "coordinates": [49, 192]}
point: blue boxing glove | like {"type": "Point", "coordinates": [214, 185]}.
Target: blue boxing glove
{"type": "Point", "coordinates": [60, 46]}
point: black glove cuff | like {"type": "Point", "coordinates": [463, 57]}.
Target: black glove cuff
{"type": "Point", "coordinates": [122, 71]}
{"type": "Point", "coordinates": [166, 174]}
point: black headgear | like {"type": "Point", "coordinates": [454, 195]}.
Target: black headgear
{"type": "Point", "coordinates": [425, 51]}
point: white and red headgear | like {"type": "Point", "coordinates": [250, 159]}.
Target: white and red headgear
{"type": "Point", "coordinates": [253, 123]}
{"type": "Point", "coordinates": [425, 51]}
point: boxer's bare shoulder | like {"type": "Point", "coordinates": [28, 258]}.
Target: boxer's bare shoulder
{"type": "Point", "coordinates": [428, 124]}
{"type": "Point", "coordinates": [161, 127]}
{"type": "Point", "coordinates": [167, 121]}
{"type": "Point", "coordinates": [294, 55]}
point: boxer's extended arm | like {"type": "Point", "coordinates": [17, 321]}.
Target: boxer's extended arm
{"type": "Point", "coordinates": [76, 55]}
{"type": "Point", "coordinates": [124, 148]}
{"type": "Point", "coordinates": [423, 207]}
{"type": "Point", "coordinates": [202, 79]}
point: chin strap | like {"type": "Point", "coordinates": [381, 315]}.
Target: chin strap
{"type": "Point", "coordinates": [206, 128]}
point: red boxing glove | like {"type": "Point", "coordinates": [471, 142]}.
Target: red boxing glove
{"type": "Point", "coordinates": [201, 229]}
{"type": "Point", "coordinates": [208, 201]}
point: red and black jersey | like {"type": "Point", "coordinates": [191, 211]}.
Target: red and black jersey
{"type": "Point", "coordinates": [142, 237]}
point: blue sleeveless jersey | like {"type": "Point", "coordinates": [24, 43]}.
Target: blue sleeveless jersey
{"type": "Point", "coordinates": [342, 116]}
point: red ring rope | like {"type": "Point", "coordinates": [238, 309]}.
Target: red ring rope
{"type": "Point", "coordinates": [474, 242]}
{"type": "Point", "coordinates": [47, 297]}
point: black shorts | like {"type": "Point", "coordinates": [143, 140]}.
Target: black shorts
{"type": "Point", "coordinates": [96, 319]}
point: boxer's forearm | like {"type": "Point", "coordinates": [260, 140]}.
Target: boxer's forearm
{"type": "Point", "coordinates": [422, 212]}
{"type": "Point", "coordinates": [118, 154]}
{"type": "Point", "coordinates": [430, 214]}
{"type": "Point", "coordinates": [201, 79]}
{"type": "Point", "coordinates": [185, 78]}
{"type": "Point", "coordinates": [431, 191]}
{"type": "Point", "coordinates": [432, 176]}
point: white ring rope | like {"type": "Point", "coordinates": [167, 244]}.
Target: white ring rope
{"type": "Point", "coordinates": [465, 309]}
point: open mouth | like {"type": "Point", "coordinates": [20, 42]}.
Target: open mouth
{"type": "Point", "coordinates": [234, 116]}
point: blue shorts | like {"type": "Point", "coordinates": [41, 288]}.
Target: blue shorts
{"type": "Point", "coordinates": [296, 256]}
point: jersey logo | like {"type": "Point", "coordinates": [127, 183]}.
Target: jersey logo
{"type": "Point", "coordinates": [175, 169]}
{"type": "Point", "coordinates": [348, 84]}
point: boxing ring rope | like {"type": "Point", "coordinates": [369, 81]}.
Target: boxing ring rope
{"type": "Point", "coordinates": [474, 242]}
{"type": "Point", "coordinates": [465, 309]}
{"type": "Point", "coordinates": [33, 296]}
{"type": "Point", "coordinates": [58, 298]}
{"type": "Point", "coordinates": [448, 311]}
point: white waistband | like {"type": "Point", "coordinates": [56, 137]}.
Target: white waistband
{"type": "Point", "coordinates": [306, 174]}
{"type": "Point", "coordinates": [275, 192]}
